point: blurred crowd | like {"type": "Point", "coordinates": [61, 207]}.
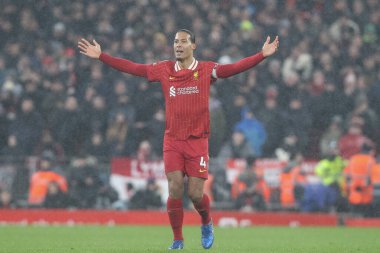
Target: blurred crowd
{"type": "Point", "coordinates": [322, 88]}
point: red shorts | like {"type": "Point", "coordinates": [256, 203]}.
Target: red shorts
{"type": "Point", "coordinates": [189, 156]}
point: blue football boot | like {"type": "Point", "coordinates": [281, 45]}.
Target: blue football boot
{"type": "Point", "coordinates": [207, 235]}
{"type": "Point", "coordinates": [177, 244]}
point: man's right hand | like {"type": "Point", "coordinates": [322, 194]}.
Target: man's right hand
{"type": "Point", "coordinates": [89, 49]}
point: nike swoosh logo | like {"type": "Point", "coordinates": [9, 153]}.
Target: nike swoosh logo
{"type": "Point", "coordinates": [201, 171]}
{"type": "Point", "coordinates": [171, 78]}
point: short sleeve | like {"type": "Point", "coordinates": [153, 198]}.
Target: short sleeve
{"type": "Point", "coordinates": [156, 70]}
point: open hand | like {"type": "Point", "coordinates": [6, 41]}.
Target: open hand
{"type": "Point", "coordinates": [270, 48]}
{"type": "Point", "coordinates": [91, 50]}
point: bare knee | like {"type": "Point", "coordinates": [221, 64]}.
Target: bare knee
{"type": "Point", "coordinates": [175, 184]}
{"type": "Point", "coordinates": [195, 190]}
{"type": "Point", "coordinates": [175, 190]}
{"type": "Point", "coordinates": [195, 194]}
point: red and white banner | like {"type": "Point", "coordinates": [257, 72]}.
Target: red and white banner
{"type": "Point", "coordinates": [136, 172]}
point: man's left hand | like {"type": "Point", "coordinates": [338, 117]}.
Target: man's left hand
{"type": "Point", "coordinates": [270, 48]}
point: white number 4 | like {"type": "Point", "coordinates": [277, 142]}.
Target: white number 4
{"type": "Point", "coordinates": [203, 162]}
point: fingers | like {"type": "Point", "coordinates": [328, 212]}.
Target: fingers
{"type": "Point", "coordinates": [83, 44]}
{"type": "Point", "coordinates": [82, 47]}
{"type": "Point", "coordinates": [268, 40]}
{"type": "Point", "coordinates": [277, 42]}
{"type": "Point", "coordinates": [84, 41]}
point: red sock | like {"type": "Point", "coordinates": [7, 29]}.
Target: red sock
{"type": "Point", "coordinates": [175, 212]}
{"type": "Point", "coordinates": [203, 208]}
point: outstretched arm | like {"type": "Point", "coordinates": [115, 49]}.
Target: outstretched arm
{"type": "Point", "coordinates": [94, 51]}
{"type": "Point", "coordinates": [227, 70]}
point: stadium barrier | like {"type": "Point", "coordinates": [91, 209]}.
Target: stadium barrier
{"type": "Point", "coordinates": [362, 222]}
{"type": "Point", "coordinates": [108, 217]}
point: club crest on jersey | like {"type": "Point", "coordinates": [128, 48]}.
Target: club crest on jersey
{"type": "Point", "coordinates": [195, 75]}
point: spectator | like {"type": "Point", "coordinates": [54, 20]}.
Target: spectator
{"type": "Point", "coordinates": [331, 135]}
{"type": "Point", "coordinates": [237, 147]}
{"type": "Point", "coordinates": [343, 29]}
{"type": "Point", "coordinates": [370, 119]}
{"type": "Point", "coordinates": [292, 183]}
{"type": "Point", "coordinates": [145, 152]}
{"type": "Point", "coordinates": [6, 201]}
{"type": "Point", "coordinates": [250, 197]}
{"type": "Point", "coordinates": [346, 101]}
{"type": "Point", "coordinates": [144, 111]}
{"type": "Point", "coordinates": [69, 127]}
{"type": "Point", "coordinates": [119, 136]}
{"type": "Point", "coordinates": [47, 144]}
{"type": "Point", "coordinates": [217, 124]}
{"type": "Point", "coordinates": [40, 180]}
{"type": "Point", "coordinates": [323, 101]}
{"type": "Point", "coordinates": [330, 171]}
{"type": "Point", "coordinates": [358, 180]}
{"type": "Point", "coordinates": [233, 112]}
{"type": "Point", "coordinates": [13, 152]}
{"type": "Point", "coordinates": [53, 100]}
{"type": "Point", "coordinates": [298, 120]}
{"type": "Point", "coordinates": [85, 183]}
{"type": "Point", "coordinates": [55, 197]}
{"type": "Point", "coordinates": [271, 117]}
{"type": "Point", "coordinates": [351, 142]}
{"type": "Point", "coordinates": [120, 97]}
{"type": "Point", "coordinates": [299, 62]}
{"type": "Point", "coordinates": [123, 105]}
{"type": "Point", "coordinates": [156, 127]}
{"type": "Point", "coordinates": [289, 147]}
{"type": "Point", "coordinates": [253, 131]}
{"type": "Point", "coordinates": [97, 147]}
{"type": "Point", "coordinates": [27, 126]}
{"type": "Point", "coordinates": [97, 114]}
{"type": "Point", "coordinates": [221, 189]}
{"type": "Point", "coordinates": [148, 198]}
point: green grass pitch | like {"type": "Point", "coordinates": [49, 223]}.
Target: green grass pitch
{"type": "Point", "coordinates": [104, 239]}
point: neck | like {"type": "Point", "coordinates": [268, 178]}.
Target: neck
{"type": "Point", "coordinates": [185, 63]}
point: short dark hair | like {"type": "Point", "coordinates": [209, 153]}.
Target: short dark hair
{"type": "Point", "coordinates": [192, 36]}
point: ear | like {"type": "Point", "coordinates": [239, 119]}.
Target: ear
{"type": "Point", "coordinates": [193, 46]}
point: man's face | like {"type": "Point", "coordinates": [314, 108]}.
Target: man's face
{"type": "Point", "coordinates": [183, 48]}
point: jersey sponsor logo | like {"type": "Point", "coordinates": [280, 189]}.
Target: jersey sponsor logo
{"type": "Point", "coordinates": [183, 91]}
{"type": "Point", "coordinates": [187, 90]}
{"type": "Point", "coordinates": [172, 91]}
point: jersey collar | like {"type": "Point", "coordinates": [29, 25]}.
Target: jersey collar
{"type": "Point", "coordinates": [192, 66]}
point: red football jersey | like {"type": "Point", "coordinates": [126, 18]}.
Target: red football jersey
{"type": "Point", "coordinates": [186, 94]}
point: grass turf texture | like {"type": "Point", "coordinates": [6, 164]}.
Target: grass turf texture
{"type": "Point", "coordinates": [105, 239]}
